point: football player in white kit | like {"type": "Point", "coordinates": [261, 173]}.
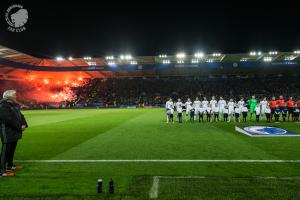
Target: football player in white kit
{"type": "Point", "coordinates": [268, 113]}
{"type": "Point", "coordinates": [225, 111]}
{"type": "Point", "coordinates": [208, 114]}
{"type": "Point", "coordinates": [204, 104]}
{"type": "Point", "coordinates": [170, 110]}
{"type": "Point", "coordinates": [179, 110]}
{"type": "Point", "coordinates": [263, 105]}
{"type": "Point", "coordinates": [215, 110]}
{"type": "Point", "coordinates": [230, 108]}
{"type": "Point", "coordinates": [197, 105]}
{"type": "Point", "coordinates": [257, 112]}
{"type": "Point", "coordinates": [192, 114]}
{"type": "Point", "coordinates": [240, 104]}
{"type": "Point", "coordinates": [237, 113]}
{"type": "Point", "coordinates": [221, 104]}
{"type": "Point", "coordinates": [245, 113]}
{"type": "Point", "coordinates": [201, 115]}
{"type": "Point", "coordinates": [213, 103]}
{"type": "Point", "coordinates": [188, 107]}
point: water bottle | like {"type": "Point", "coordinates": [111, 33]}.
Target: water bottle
{"type": "Point", "coordinates": [99, 185]}
{"type": "Point", "coordinates": [111, 186]}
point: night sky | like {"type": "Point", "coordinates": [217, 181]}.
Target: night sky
{"type": "Point", "coordinates": [152, 27]}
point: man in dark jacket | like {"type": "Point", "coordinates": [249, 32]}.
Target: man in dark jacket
{"type": "Point", "coordinates": [12, 124]}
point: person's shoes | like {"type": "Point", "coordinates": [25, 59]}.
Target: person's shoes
{"type": "Point", "coordinates": [9, 170]}
{"type": "Point", "coordinates": [17, 167]}
{"type": "Point", "coordinates": [8, 174]}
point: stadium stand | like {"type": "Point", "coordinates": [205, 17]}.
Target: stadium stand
{"type": "Point", "coordinates": [155, 91]}
{"type": "Point", "coordinates": [147, 80]}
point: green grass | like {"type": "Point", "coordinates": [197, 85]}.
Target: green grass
{"type": "Point", "coordinates": [144, 134]}
{"type": "Point", "coordinates": [248, 188]}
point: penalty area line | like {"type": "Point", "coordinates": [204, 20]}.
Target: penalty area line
{"type": "Point", "coordinates": [153, 193]}
{"type": "Point", "coordinates": [158, 161]}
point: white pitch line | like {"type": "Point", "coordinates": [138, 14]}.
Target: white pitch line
{"type": "Point", "coordinates": [158, 161]}
{"type": "Point", "coordinates": [153, 194]}
{"type": "Point", "coordinates": [217, 177]}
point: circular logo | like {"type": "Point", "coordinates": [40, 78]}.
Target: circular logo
{"type": "Point", "coordinates": [16, 17]}
{"type": "Point", "coordinates": [265, 130]}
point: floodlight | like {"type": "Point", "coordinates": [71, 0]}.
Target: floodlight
{"type": "Point", "coordinates": [180, 55]}
{"type": "Point", "coordinates": [59, 58]}
{"type": "Point", "coordinates": [199, 55]}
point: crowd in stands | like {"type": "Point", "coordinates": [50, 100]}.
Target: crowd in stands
{"type": "Point", "coordinates": [156, 91]}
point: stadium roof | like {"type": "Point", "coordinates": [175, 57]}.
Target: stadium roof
{"type": "Point", "coordinates": [14, 63]}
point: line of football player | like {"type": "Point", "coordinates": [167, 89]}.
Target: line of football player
{"type": "Point", "coordinates": [214, 110]}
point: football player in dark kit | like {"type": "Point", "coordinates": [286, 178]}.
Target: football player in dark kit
{"type": "Point", "coordinates": [296, 114]}
{"type": "Point", "coordinates": [12, 124]}
{"type": "Point", "coordinates": [280, 102]}
{"type": "Point", "coordinates": [284, 112]}
{"type": "Point", "coordinates": [272, 105]}
{"type": "Point", "coordinates": [290, 106]}
{"type": "Point", "coordinates": [277, 113]}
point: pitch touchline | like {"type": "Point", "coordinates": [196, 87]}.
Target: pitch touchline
{"type": "Point", "coordinates": [159, 161]}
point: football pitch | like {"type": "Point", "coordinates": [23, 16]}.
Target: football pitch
{"type": "Point", "coordinates": [64, 152]}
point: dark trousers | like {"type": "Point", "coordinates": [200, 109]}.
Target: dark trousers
{"type": "Point", "coordinates": [7, 155]}
{"type": "Point", "coordinates": [225, 117]}
{"type": "Point", "coordinates": [180, 117]}
{"type": "Point", "coordinates": [257, 118]}
{"type": "Point", "coordinates": [283, 117]}
{"type": "Point", "coordinates": [4, 149]}
{"type": "Point", "coordinates": [11, 154]}
{"type": "Point", "coordinates": [276, 116]}
{"type": "Point", "coordinates": [192, 117]}
{"type": "Point", "coordinates": [244, 116]}
{"type": "Point", "coordinates": [216, 117]}
{"type": "Point", "coordinates": [208, 117]}
{"type": "Point", "coordinates": [201, 117]}
{"type": "Point", "coordinates": [268, 115]}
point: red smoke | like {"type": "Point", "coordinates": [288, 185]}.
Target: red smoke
{"type": "Point", "coordinates": [49, 94]}
{"type": "Point", "coordinates": [46, 87]}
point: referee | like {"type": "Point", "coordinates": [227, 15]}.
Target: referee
{"type": "Point", "coordinates": [12, 124]}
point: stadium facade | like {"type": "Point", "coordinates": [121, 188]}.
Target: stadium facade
{"type": "Point", "coordinates": [15, 65]}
